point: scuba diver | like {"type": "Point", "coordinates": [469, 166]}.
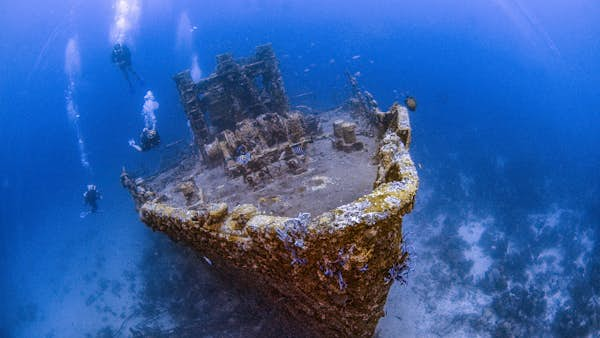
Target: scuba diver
{"type": "Point", "coordinates": [91, 197]}
{"type": "Point", "coordinates": [121, 56]}
{"type": "Point", "coordinates": [149, 138]}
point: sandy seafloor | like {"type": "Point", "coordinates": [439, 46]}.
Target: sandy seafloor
{"type": "Point", "coordinates": [460, 283]}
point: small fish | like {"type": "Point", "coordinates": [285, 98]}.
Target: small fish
{"type": "Point", "coordinates": [297, 150]}
{"type": "Point", "coordinates": [207, 260]}
{"type": "Point", "coordinates": [356, 57]}
{"type": "Point", "coordinates": [302, 95]}
{"type": "Point", "coordinates": [306, 70]}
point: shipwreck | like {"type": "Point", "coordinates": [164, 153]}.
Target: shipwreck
{"type": "Point", "coordinates": [305, 207]}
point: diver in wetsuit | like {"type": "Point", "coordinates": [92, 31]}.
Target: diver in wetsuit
{"type": "Point", "coordinates": [91, 197]}
{"type": "Point", "coordinates": [121, 56]}
{"type": "Point", "coordinates": [149, 138]}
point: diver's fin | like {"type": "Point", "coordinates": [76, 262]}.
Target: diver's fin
{"type": "Point", "coordinates": [138, 77]}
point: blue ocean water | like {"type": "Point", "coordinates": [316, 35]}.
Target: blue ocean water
{"type": "Point", "coordinates": [504, 236]}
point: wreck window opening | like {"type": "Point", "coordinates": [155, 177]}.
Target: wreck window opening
{"type": "Point", "coordinates": [202, 97]}
{"type": "Point", "coordinates": [261, 86]}
{"type": "Point", "coordinates": [208, 121]}
{"type": "Point", "coordinates": [259, 83]}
